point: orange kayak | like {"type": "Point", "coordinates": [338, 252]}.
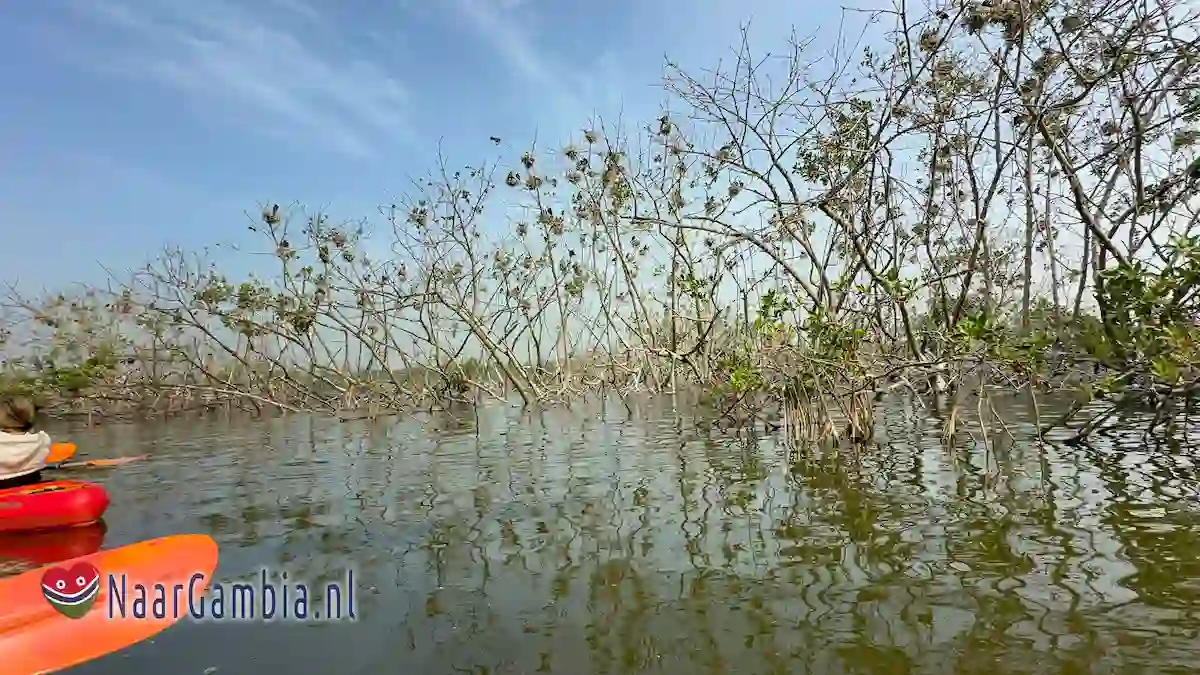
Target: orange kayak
{"type": "Point", "coordinates": [61, 452]}
{"type": "Point", "coordinates": [37, 638]}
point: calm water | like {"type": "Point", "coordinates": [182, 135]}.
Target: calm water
{"type": "Point", "coordinates": [589, 542]}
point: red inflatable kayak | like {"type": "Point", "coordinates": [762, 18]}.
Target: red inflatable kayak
{"type": "Point", "coordinates": [50, 546]}
{"type": "Point", "coordinates": [53, 504]}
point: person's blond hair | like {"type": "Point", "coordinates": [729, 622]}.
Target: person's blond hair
{"type": "Point", "coordinates": [18, 414]}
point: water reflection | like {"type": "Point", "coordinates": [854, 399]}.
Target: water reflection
{"type": "Point", "coordinates": [593, 542]}
{"type": "Point", "coordinates": [21, 551]}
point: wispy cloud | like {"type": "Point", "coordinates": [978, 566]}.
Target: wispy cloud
{"type": "Point", "coordinates": [244, 63]}
{"type": "Point", "coordinates": [497, 22]}
{"type": "Point", "coordinates": [509, 27]}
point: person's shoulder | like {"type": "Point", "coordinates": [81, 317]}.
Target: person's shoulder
{"type": "Point", "coordinates": [6, 437]}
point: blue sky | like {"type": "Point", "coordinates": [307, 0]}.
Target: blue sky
{"type": "Point", "coordinates": [133, 124]}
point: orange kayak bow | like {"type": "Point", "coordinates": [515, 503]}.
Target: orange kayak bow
{"type": "Point", "coordinates": [61, 452]}
{"type": "Point", "coordinates": [35, 637]}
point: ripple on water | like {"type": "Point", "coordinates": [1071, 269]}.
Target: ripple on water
{"type": "Point", "coordinates": [598, 542]}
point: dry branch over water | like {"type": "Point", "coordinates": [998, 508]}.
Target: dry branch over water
{"type": "Point", "coordinates": [998, 194]}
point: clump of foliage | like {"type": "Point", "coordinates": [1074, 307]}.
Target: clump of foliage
{"type": "Point", "coordinates": [998, 194]}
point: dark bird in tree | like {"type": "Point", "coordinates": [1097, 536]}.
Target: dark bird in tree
{"type": "Point", "coordinates": [494, 139]}
{"type": "Point", "coordinates": [1193, 170]}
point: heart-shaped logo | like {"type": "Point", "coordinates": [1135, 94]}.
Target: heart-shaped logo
{"type": "Point", "coordinates": [72, 590]}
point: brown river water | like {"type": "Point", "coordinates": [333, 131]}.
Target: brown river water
{"type": "Point", "coordinates": [592, 541]}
